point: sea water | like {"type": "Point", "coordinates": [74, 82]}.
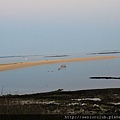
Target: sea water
{"type": "Point", "coordinates": [44, 78]}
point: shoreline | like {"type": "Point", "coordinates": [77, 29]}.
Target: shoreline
{"type": "Point", "coordinates": [11, 66]}
{"type": "Point", "coordinates": [81, 102]}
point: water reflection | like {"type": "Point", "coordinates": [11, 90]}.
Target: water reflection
{"type": "Point", "coordinates": [47, 77]}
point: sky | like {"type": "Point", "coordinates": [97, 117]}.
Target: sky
{"type": "Point", "coordinates": [32, 27]}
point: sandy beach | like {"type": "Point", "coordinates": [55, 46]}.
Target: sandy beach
{"type": "Point", "coordinates": [11, 66]}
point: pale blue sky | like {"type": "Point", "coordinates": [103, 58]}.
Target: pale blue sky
{"type": "Point", "coordinates": [58, 26]}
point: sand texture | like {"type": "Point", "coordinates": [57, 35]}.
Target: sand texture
{"type": "Point", "coordinates": [11, 66]}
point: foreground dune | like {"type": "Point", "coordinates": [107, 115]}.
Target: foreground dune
{"type": "Point", "coordinates": [11, 66]}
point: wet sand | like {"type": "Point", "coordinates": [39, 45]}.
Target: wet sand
{"type": "Point", "coordinates": [11, 66]}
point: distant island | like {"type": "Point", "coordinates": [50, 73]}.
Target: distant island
{"type": "Point", "coordinates": [57, 56]}
{"type": "Point", "coordinates": [104, 77]}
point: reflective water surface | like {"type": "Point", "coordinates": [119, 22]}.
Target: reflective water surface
{"type": "Point", "coordinates": [75, 76]}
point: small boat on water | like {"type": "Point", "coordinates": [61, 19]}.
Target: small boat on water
{"type": "Point", "coordinates": [61, 67]}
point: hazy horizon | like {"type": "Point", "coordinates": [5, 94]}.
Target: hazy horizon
{"type": "Point", "coordinates": [30, 27]}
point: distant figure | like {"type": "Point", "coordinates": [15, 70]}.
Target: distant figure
{"type": "Point", "coordinates": [26, 58]}
{"type": "Point", "coordinates": [59, 69]}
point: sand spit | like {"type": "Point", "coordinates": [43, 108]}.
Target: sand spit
{"type": "Point", "coordinates": [11, 66]}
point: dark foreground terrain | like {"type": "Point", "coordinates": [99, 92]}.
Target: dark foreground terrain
{"type": "Point", "coordinates": [84, 102]}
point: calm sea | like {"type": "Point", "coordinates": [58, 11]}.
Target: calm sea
{"type": "Point", "coordinates": [49, 77]}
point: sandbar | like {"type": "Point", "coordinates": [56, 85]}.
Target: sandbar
{"type": "Point", "coordinates": [10, 66]}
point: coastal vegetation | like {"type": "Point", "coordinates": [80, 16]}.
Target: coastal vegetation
{"type": "Point", "coordinates": [60, 102]}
